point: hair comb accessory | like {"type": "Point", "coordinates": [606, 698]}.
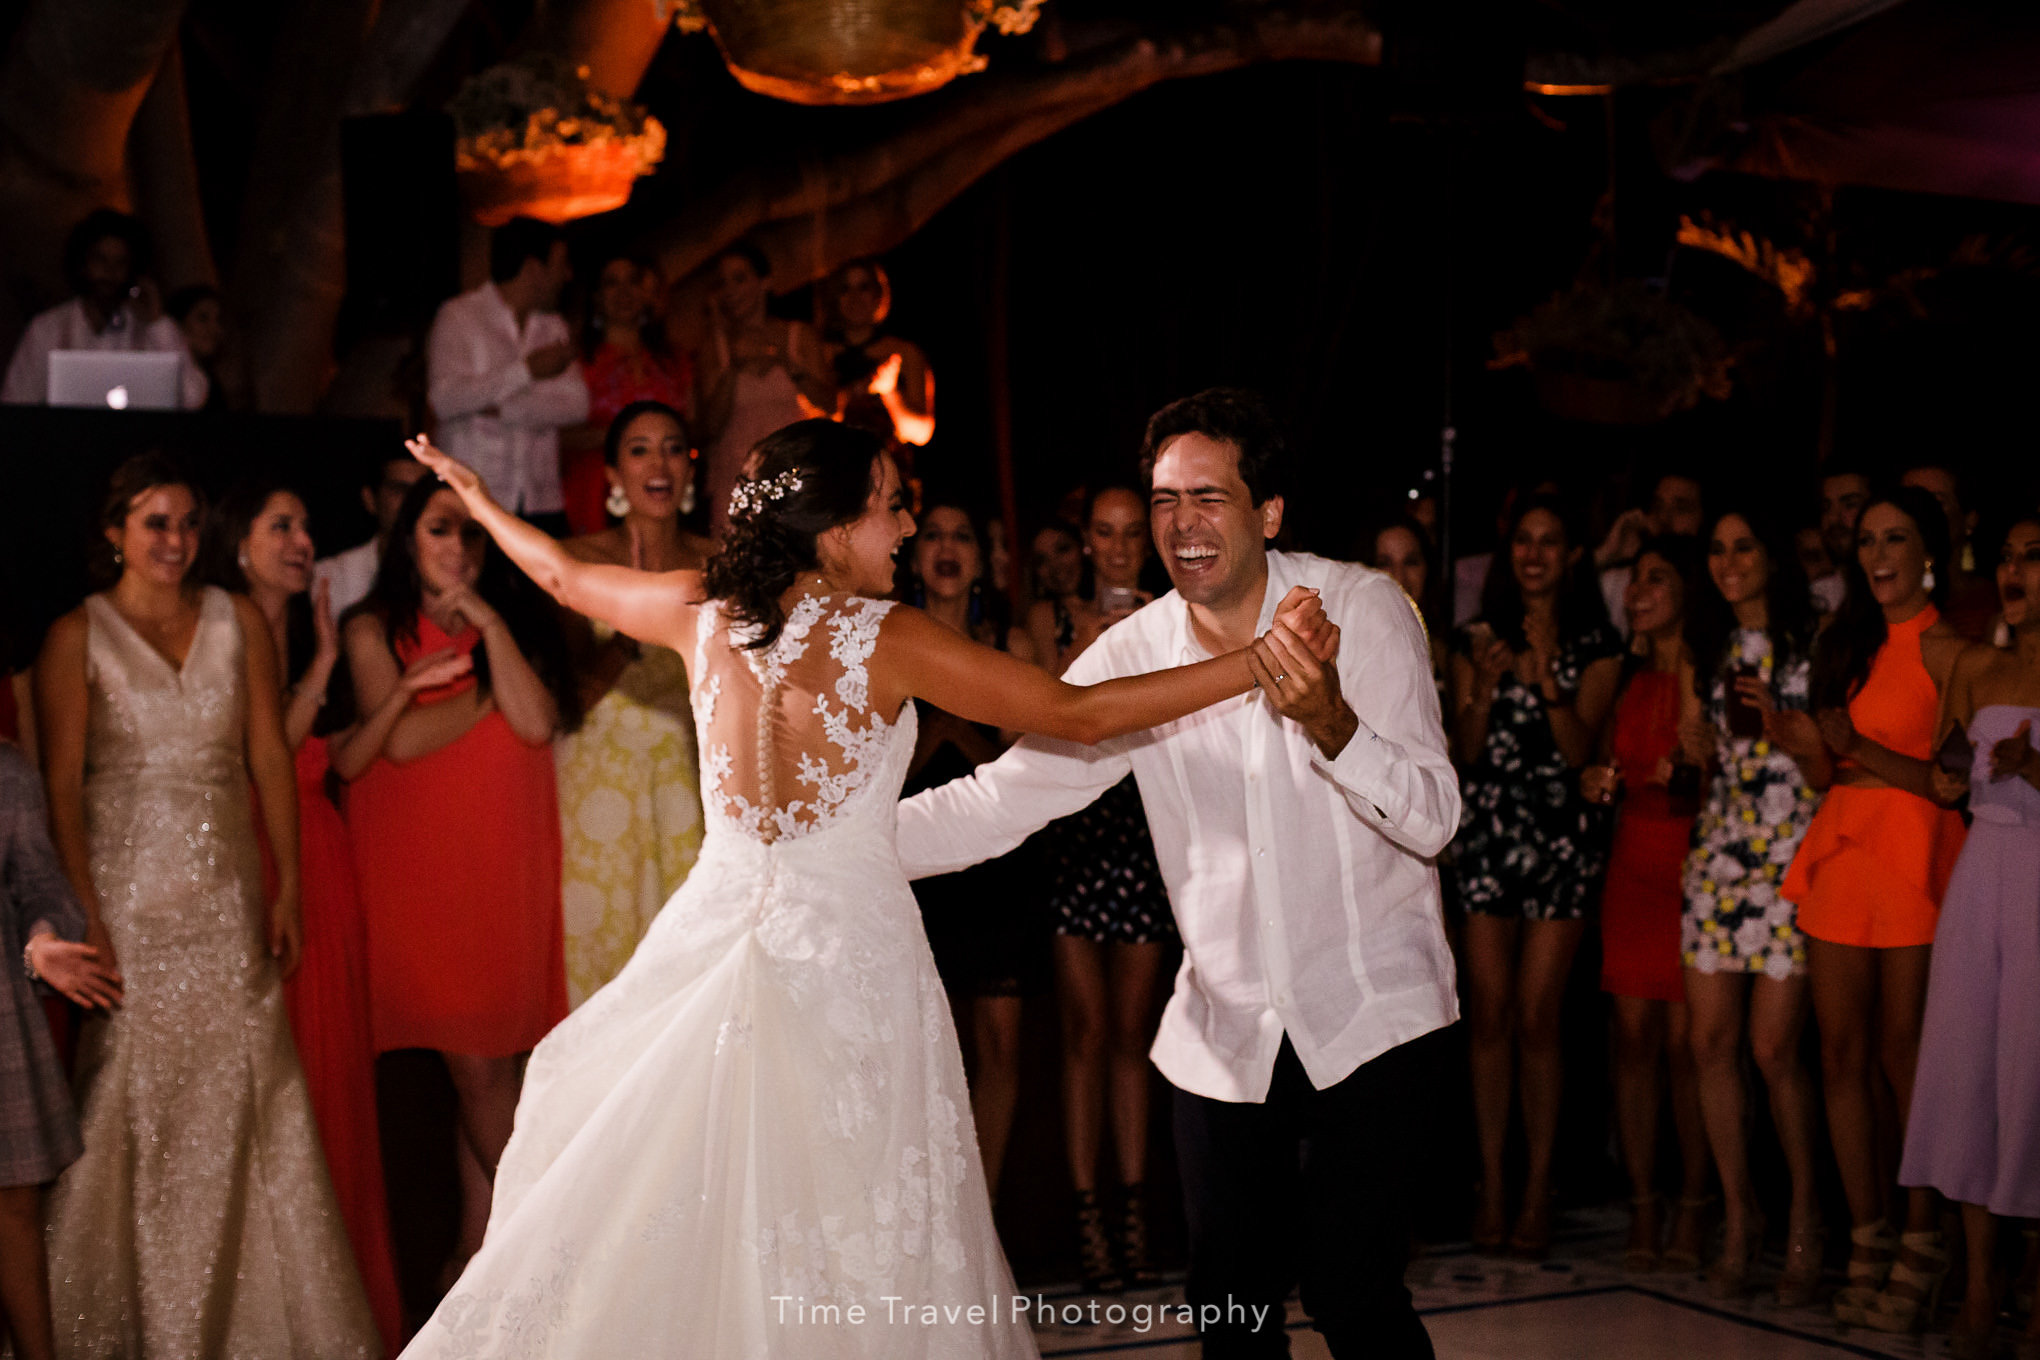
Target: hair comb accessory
{"type": "Point", "coordinates": [750, 496]}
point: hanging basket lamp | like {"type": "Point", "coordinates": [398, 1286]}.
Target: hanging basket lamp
{"type": "Point", "coordinates": [850, 51]}
{"type": "Point", "coordinates": [535, 139]}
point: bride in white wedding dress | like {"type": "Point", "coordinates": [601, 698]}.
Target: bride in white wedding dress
{"type": "Point", "coordinates": [757, 1140]}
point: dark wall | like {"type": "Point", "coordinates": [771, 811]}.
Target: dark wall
{"type": "Point", "coordinates": [54, 466]}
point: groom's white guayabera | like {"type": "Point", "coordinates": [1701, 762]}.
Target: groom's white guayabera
{"type": "Point", "coordinates": [1302, 882]}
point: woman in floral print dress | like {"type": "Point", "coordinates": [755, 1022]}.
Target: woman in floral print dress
{"type": "Point", "coordinates": [1747, 714]}
{"type": "Point", "coordinates": [1533, 679]}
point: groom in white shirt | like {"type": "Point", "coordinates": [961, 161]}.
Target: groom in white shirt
{"type": "Point", "coordinates": [1295, 830]}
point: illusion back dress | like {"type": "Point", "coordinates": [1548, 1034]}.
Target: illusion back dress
{"type": "Point", "coordinates": [200, 1221]}
{"type": "Point", "coordinates": [762, 1122]}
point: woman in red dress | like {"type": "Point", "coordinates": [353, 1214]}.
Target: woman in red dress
{"type": "Point", "coordinates": [455, 819]}
{"type": "Point", "coordinates": [1643, 896]}
{"type": "Point", "coordinates": [625, 357]}
{"type": "Point", "coordinates": [261, 547]}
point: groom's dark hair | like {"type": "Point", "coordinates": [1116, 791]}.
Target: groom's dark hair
{"type": "Point", "coordinates": [1237, 417]}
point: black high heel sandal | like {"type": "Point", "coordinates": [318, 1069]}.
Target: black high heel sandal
{"type": "Point", "coordinates": [1133, 1239]}
{"type": "Point", "coordinates": [1095, 1267]}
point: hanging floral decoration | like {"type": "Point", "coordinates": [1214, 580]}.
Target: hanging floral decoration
{"type": "Point", "coordinates": [536, 139]}
{"type": "Point", "coordinates": [849, 51]}
{"type": "Point", "coordinates": [1620, 354]}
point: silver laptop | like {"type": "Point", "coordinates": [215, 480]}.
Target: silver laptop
{"type": "Point", "coordinates": [125, 380]}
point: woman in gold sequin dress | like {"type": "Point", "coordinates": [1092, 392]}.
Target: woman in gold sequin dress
{"type": "Point", "coordinates": [200, 1221]}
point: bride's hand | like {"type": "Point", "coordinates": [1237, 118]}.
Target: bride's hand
{"type": "Point", "coordinates": [456, 474]}
{"type": "Point", "coordinates": [1303, 613]}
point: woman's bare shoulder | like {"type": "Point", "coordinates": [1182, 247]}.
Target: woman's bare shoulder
{"type": "Point", "coordinates": [604, 546]}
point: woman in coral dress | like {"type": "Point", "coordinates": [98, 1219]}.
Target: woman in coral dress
{"type": "Point", "coordinates": [456, 825]}
{"type": "Point", "coordinates": [1870, 874]}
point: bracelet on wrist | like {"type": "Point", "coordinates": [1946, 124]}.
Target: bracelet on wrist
{"type": "Point", "coordinates": [28, 960]}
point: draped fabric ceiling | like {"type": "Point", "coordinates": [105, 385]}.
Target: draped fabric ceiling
{"type": "Point", "coordinates": [1933, 96]}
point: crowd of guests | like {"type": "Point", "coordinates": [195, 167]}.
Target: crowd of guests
{"type": "Point", "coordinates": [295, 811]}
{"type": "Point", "coordinates": [1755, 777]}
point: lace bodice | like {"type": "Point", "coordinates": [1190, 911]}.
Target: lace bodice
{"type": "Point", "coordinates": [789, 745]}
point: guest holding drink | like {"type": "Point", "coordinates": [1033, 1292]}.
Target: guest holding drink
{"type": "Point", "coordinates": [1746, 715]}
{"type": "Point", "coordinates": [1658, 797]}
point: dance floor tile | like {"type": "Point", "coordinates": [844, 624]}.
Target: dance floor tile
{"type": "Point", "coordinates": [1579, 1304]}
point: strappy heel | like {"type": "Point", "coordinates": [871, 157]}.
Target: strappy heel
{"type": "Point", "coordinates": [1488, 1234]}
{"type": "Point", "coordinates": [1730, 1274]}
{"type": "Point", "coordinates": [1531, 1238]}
{"type": "Point", "coordinates": [1804, 1250]}
{"type": "Point", "coordinates": [1094, 1248]}
{"type": "Point", "coordinates": [1646, 1215]}
{"type": "Point", "coordinates": [1691, 1209]}
{"type": "Point", "coordinates": [1911, 1292]}
{"type": "Point", "coordinates": [1133, 1239]}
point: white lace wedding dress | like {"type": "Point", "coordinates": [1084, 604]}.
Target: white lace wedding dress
{"type": "Point", "coordinates": [762, 1122]}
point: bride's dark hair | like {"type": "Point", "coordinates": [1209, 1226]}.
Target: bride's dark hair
{"type": "Point", "coordinates": [808, 478]}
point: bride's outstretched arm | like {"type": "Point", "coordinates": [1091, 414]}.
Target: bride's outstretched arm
{"type": "Point", "coordinates": [925, 660]}
{"type": "Point", "coordinates": [648, 606]}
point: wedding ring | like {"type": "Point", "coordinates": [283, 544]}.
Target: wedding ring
{"type": "Point", "coordinates": [1280, 678]}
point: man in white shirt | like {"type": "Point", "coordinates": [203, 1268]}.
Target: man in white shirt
{"type": "Point", "coordinates": [113, 308]}
{"type": "Point", "coordinates": [1295, 829]}
{"type": "Point", "coordinates": [501, 373]}
{"type": "Point", "coordinates": [348, 574]}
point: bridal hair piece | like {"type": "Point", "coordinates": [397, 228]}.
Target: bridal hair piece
{"type": "Point", "coordinates": [749, 497]}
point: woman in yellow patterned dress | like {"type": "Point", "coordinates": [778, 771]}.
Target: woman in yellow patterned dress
{"type": "Point", "coordinates": [630, 796]}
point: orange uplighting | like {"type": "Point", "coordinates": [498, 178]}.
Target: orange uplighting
{"type": "Point", "coordinates": [1540, 87]}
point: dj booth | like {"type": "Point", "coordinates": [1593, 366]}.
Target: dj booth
{"type": "Point", "coordinates": [54, 464]}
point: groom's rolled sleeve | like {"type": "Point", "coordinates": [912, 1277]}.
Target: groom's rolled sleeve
{"type": "Point", "coordinates": [1395, 772]}
{"type": "Point", "coordinates": [1002, 803]}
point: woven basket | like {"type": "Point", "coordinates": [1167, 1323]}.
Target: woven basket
{"type": "Point", "coordinates": [558, 184]}
{"type": "Point", "coordinates": [844, 51]}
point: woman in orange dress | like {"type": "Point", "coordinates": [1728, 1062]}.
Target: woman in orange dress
{"type": "Point", "coordinates": [261, 547]}
{"type": "Point", "coordinates": [1869, 875]}
{"type": "Point", "coordinates": [455, 820]}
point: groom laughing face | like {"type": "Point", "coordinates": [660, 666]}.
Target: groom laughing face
{"type": "Point", "coordinates": [1211, 535]}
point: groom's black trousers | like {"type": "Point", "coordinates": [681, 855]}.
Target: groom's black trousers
{"type": "Point", "coordinates": [1313, 1188]}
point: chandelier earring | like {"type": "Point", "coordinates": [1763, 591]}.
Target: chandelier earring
{"type": "Point", "coordinates": [687, 488]}
{"type": "Point", "coordinates": [616, 503]}
{"type": "Point", "coordinates": [1927, 577]}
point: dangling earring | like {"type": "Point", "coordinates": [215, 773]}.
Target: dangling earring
{"type": "Point", "coordinates": [242, 559]}
{"type": "Point", "coordinates": [687, 490]}
{"type": "Point", "coordinates": [118, 560]}
{"type": "Point", "coordinates": [1969, 558]}
{"type": "Point", "coordinates": [1927, 577]}
{"type": "Point", "coordinates": [617, 504]}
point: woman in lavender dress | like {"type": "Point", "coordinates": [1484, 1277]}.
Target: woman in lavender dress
{"type": "Point", "coordinates": [1974, 1134]}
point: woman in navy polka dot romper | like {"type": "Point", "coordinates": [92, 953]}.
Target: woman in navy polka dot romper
{"type": "Point", "coordinates": [1115, 934]}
